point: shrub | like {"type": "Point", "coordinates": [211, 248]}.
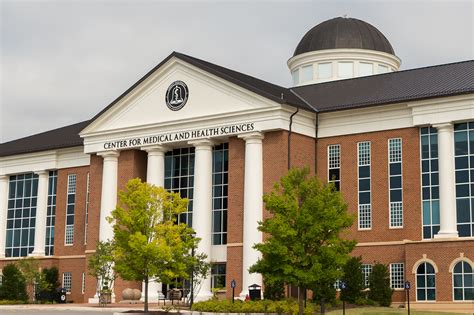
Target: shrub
{"type": "Point", "coordinates": [14, 284]}
{"type": "Point", "coordinates": [354, 279]}
{"type": "Point", "coordinates": [264, 306]}
{"type": "Point", "coordinates": [324, 289]}
{"type": "Point", "coordinates": [274, 290]}
{"type": "Point", "coordinates": [379, 284]}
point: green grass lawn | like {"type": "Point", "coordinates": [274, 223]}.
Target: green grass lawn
{"type": "Point", "coordinates": [385, 311]}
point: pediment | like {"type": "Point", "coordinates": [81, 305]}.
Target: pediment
{"type": "Point", "coordinates": [145, 106]}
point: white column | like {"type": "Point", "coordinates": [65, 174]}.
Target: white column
{"type": "Point", "coordinates": [3, 212]}
{"type": "Point", "coordinates": [155, 174]}
{"type": "Point", "coordinates": [253, 208]}
{"type": "Point", "coordinates": [41, 211]}
{"type": "Point", "coordinates": [202, 206]}
{"type": "Point", "coordinates": [447, 195]}
{"type": "Point", "coordinates": [108, 200]}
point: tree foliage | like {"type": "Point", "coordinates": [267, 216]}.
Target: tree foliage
{"type": "Point", "coordinates": [379, 284]}
{"type": "Point", "coordinates": [13, 284]}
{"type": "Point", "coordinates": [354, 279]}
{"type": "Point", "coordinates": [148, 242]}
{"type": "Point", "coordinates": [101, 265]}
{"type": "Point", "coordinates": [29, 268]}
{"type": "Point", "coordinates": [304, 243]}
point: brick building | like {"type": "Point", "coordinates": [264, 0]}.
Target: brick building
{"type": "Point", "coordinates": [398, 144]}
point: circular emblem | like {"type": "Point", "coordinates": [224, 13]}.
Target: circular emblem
{"type": "Point", "coordinates": [176, 95]}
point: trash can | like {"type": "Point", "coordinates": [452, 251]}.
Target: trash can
{"type": "Point", "coordinates": [255, 292]}
{"type": "Point", "coordinates": [61, 295]}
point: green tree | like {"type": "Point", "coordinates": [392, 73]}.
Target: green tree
{"type": "Point", "coordinates": [324, 289]}
{"type": "Point", "coordinates": [30, 270]}
{"type": "Point", "coordinates": [354, 279]}
{"type": "Point", "coordinates": [49, 282]}
{"type": "Point", "coordinates": [304, 232]}
{"type": "Point", "coordinates": [274, 290]}
{"type": "Point", "coordinates": [379, 284]}
{"type": "Point", "coordinates": [101, 265]}
{"type": "Point", "coordinates": [148, 243]}
{"type": "Point", "coordinates": [14, 284]}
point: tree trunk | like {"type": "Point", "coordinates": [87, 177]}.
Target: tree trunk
{"type": "Point", "coordinates": [300, 300]}
{"type": "Point", "coordinates": [146, 295]}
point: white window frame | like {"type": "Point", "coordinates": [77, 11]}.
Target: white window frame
{"type": "Point", "coordinates": [366, 271]}
{"type": "Point", "coordinates": [396, 282]}
{"type": "Point", "coordinates": [425, 288]}
{"type": "Point", "coordinates": [462, 276]}
{"type": "Point", "coordinates": [67, 281]}
{"type": "Point", "coordinates": [86, 221]}
{"type": "Point", "coordinates": [304, 71]}
{"type": "Point", "coordinates": [322, 64]}
{"type": "Point", "coordinates": [83, 286]}
{"type": "Point", "coordinates": [334, 162]}
{"type": "Point", "coordinates": [395, 206]}
{"type": "Point", "coordinates": [365, 208]}
{"type": "Point", "coordinates": [295, 75]}
{"type": "Point", "coordinates": [69, 228]}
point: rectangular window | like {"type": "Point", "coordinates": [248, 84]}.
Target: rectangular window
{"type": "Point", "coordinates": [21, 215]}
{"type": "Point", "coordinates": [395, 182]}
{"type": "Point", "coordinates": [179, 178]}
{"type": "Point", "coordinates": [364, 183]}
{"type": "Point", "coordinates": [382, 69]}
{"type": "Point", "coordinates": [83, 287]}
{"type": "Point", "coordinates": [397, 276]}
{"type": "Point", "coordinates": [218, 274]}
{"type": "Point", "coordinates": [51, 213]}
{"type": "Point", "coordinates": [464, 166]}
{"type": "Point", "coordinates": [334, 165]}
{"type": "Point", "coordinates": [307, 73]}
{"type": "Point", "coordinates": [429, 181]}
{"type": "Point", "coordinates": [366, 271]}
{"type": "Point", "coordinates": [70, 208]}
{"type": "Point", "coordinates": [366, 69]}
{"type": "Point", "coordinates": [86, 222]}
{"type": "Point", "coordinates": [345, 69]}
{"type": "Point", "coordinates": [220, 168]}
{"type": "Point", "coordinates": [325, 70]}
{"type": "Point", "coordinates": [296, 76]}
{"type": "Point", "coordinates": [67, 281]}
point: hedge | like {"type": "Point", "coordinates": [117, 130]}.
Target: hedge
{"type": "Point", "coordinates": [264, 306]}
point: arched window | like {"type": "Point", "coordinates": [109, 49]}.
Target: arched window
{"type": "Point", "coordinates": [425, 282]}
{"type": "Point", "coordinates": [463, 282]}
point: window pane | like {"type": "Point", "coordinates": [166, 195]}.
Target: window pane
{"type": "Point", "coordinates": [307, 73]}
{"type": "Point", "coordinates": [324, 70]}
{"type": "Point", "coordinates": [296, 76]}
{"type": "Point", "coordinates": [366, 69]}
{"type": "Point", "coordinates": [345, 70]}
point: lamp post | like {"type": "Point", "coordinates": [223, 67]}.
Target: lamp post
{"type": "Point", "coordinates": [193, 235]}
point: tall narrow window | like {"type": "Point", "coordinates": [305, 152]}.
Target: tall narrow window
{"type": "Point", "coordinates": [179, 178]}
{"type": "Point", "coordinates": [395, 182]}
{"type": "Point", "coordinates": [464, 164]}
{"type": "Point", "coordinates": [51, 213]}
{"type": "Point", "coordinates": [220, 179]}
{"type": "Point", "coordinates": [463, 282]}
{"type": "Point", "coordinates": [397, 276]}
{"type": "Point", "coordinates": [429, 181]}
{"type": "Point", "coordinates": [365, 205]}
{"type": "Point", "coordinates": [307, 73]}
{"type": "Point", "coordinates": [21, 215]}
{"type": "Point", "coordinates": [70, 208]}
{"type": "Point", "coordinates": [425, 282]}
{"type": "Point", "coordinates": [218, 274]}
{"type": "Point", "coordinates": [366, 270]}
{"type": "Point", "coordinates": [86, 222]}
{"type": "Point", "coordinates": [83, 286]}
{"type": "Point", "coordinates": [334, 165]}
{"type": "Point", "coordinates": [296, 76]}
{"type": "Point", "coordinates": [67, 281]}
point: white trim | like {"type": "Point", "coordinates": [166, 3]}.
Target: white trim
{"type": "Point", "coordinates": [358, 188]}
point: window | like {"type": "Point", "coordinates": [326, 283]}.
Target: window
{"type": "Point", "coordinates": [429, 181]}
{"type": "Point", "coordinates": [382, 69]}
{"type": "Point", "coordinates": [307, 73]}
{"type": "Point", "coordinates": [21, 215]}
{"type": "Point", "coordinates": [463, 282]}
{"type": "Point", "coordinates": [334, 165]}
{"type": "Point", "coordinates": [218, 273]}
{"type": "Point", "coordinates": [345, 70]}
{"type": "Point", "coordinates": [220, 180]}
{"type": "Point", "coordinates": [425, 282]}
{"type": "Point", "coordinates": [296, 76]}
{"type": "Point", "coordinates": [51, 213]}
{"type": "Point", "coordinates": [397, 276]}
{"type": "Point", "coordinates": [464, 165]}
{"type": "Point", "coordinates": [395, 182]}
{"type": "Point", "coordinates": [70, 208]}
{"type": "Point", "coordinates": [365, 69]}
{"type": "Point", "coordinates": [86, 221]}
{"type": "Point", "coordinates": [325, 70]}
{"type": "Point", "coordinates": [366, 270]}
{"type": "Point", "coordinates": [83, 287]}
{"type": "Point", "coordinates": [179, 178]}
{"type": "Point", "coordinates": [365, 206]}
{"type": "Point", "coordinates": [67, 281]}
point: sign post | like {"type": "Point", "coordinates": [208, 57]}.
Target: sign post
{"type": "Point", "coordinates": [232, 285]}
{"type": "Point", "coordinates": [407, 289]}
{"type": "Point", "coordinates": [343, 286]}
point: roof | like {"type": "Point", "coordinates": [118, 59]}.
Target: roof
{"type": "Point", "coordinates": [409, 85]}
{"type": "Point", "coordinates": [64, 137]}
{"type": "Point", "coordinates": [343, 33]}
{"type": "Point", "coordinates": [394, 87]}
